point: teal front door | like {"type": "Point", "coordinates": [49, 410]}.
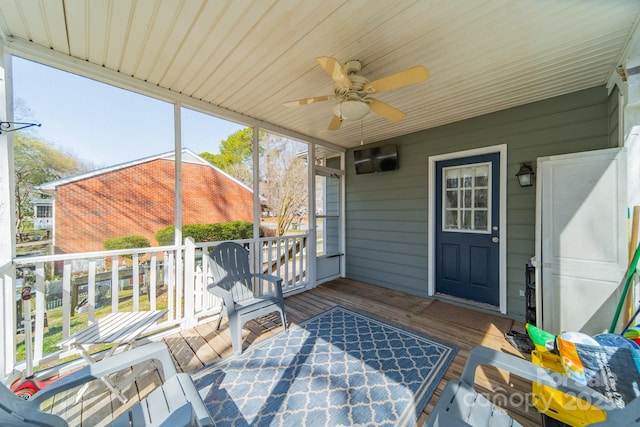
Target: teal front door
{"type": "Point", "coordinates": [467, 258]}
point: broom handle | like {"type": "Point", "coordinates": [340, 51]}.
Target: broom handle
{"type": "Point", "coordinates": [629, 277]}
{"type": "Point", "coordinates": [634, 230]}
{"type": "Point", "coordinates": [629, 303]}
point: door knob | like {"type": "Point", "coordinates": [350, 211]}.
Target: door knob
{"type": "Point", "coordinates": [495, 239]}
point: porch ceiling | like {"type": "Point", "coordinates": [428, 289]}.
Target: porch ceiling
{"type": "Point", "coordinates": [251, 56]}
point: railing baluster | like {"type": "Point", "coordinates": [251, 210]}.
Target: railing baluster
{"type": "Point", "coordinates": [292, 262]}
{"type": "Point", "coordinates": [114, 284]}
{"type": "Point", "coordinates": [40, 311]}
{"type": "Point", "coordinates": [135, 278]}
{"type": "Point", "coordinates": [170, 280]}
{"type": "Point", "coordinates": [300, 253]}
{"type": "Point", "coordinates": [66, 299]}
{"type": "Point", "coordinates": [153, 277]}
{"type": "Point", "coordinates": [272, 262]}
{"type": "Point", "coordinates": [177, 282]}
{"type": "Point", "coordinates": [91, 289]}
{"type": "Point", "coordinates": [189, 281]}
{"type": "Point", "coordinates": [206, 295]}
{"type": "Point", "coordinates": [198, 289]}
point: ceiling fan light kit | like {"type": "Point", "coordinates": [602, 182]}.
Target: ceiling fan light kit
{"type": "Point", "coordinates": [351, 110]}
{"type": "Point", "coordinates": [354, 91]}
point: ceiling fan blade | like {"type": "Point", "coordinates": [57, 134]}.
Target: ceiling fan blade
{"type": "Point", "coordinates": [335, 70]}
{"type": "Point", "coordinates": [306, 101]}
{"type": "Point", "coordinates": [407, 77]}
{"type": "Point", "coordinates": [335, 123]}
{"type": "Point", "coordinates": [385, 110]}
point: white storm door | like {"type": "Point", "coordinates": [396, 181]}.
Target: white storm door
{"type": "Point", "coordinates": [581, 244]}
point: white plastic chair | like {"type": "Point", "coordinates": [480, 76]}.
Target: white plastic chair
{"type": "Point", "coordinates": [175, 403]}
{"type": "Point", "coordinates": [461, 405]}
{"type": "Point", "coordinates": [237, 286]}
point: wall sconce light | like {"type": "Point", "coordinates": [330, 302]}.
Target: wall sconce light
{"type": "Point", "coordinates": [525, 175]}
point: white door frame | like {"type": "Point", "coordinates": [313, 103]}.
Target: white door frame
{"type": "Point", "coordinates": [502, 232]}
{"type": "Point", "coordinates": [323, 262]}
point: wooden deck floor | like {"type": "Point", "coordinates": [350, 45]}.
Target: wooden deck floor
{"type": "Point", "coordinates": [461, 327]}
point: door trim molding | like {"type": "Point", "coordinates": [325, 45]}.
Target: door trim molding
{"type": "Point", "coordinates": [431, 277]}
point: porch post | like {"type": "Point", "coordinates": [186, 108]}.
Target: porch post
{"type": "Point", "coordinates": [256, 247]}
{"type": "Point", "coordinates": [7, 223]}
{"type": "Point", "coordinates": [257, 206]}
{"type": "Point", "coordinates": [177, 125]}
{"type": "Point", "coordinates": [312, 260]}
{"type": "Point", "coordinates": [179, 265]}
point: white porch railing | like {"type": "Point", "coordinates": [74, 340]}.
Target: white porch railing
{"type": "Point", "coordinates": [129, 280]}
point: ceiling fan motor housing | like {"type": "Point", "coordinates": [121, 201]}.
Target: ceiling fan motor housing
{"type": "Point", "coordinates": [352, 67]}
{"type": "Point", "coordinates": [357, 83]}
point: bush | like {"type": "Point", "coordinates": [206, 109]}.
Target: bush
{"type": "Point", "coordinates": [235, 230]}
{"type": "Point", "coordinates": [126, 242]}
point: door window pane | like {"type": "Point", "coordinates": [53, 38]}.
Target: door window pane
{"type": "Point", "coordinates": [452, 199]}
{"type": "Point", "coordinates": [481, 198]}
{"type": "Point", "coordinates": [466, 208]}
{"type": "Point", "coordinates": [466, 200]}
{"type": "Point", "coordinates": [480, 220]}
{"type": "Point", "coordinates": [482, 180]}
{"type": "Point", "coordinates": [452, 219]}
{"type": "Point", "coordinates": [451, 179]}
{"type": "Point", "coordinates": [466, 220]}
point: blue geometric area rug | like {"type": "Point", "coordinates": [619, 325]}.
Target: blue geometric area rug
{"type": "Point", "coordinates": [339, 368]}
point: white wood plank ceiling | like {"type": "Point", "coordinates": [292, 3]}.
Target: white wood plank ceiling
{"type": "Point", "coordinates": [252, 56]}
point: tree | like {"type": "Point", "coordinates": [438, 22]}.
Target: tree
{"type": "Point", "coordinates": [36, 162]}
{"type": "Point", "coordinates": [284, 183]}
{"type": "Point", "coordinates": [235, 156]}
{"type": "Point", "coordinates": [283, 174]}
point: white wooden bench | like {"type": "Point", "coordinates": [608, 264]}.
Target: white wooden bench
{"type": "Point", "coordinates": [121, 328]}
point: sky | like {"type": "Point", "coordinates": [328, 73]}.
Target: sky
{"type": "Point", "coordinates": [105, 125]}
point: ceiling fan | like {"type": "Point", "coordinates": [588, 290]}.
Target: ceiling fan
{"type": "Point", "coordinates": [354, 91]}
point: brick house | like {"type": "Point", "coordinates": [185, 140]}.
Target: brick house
{"type": "Point", "coordinates": [138, 198]}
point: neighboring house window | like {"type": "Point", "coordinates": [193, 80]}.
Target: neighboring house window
{"type": "Point", "coordinates": [43, 212]}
